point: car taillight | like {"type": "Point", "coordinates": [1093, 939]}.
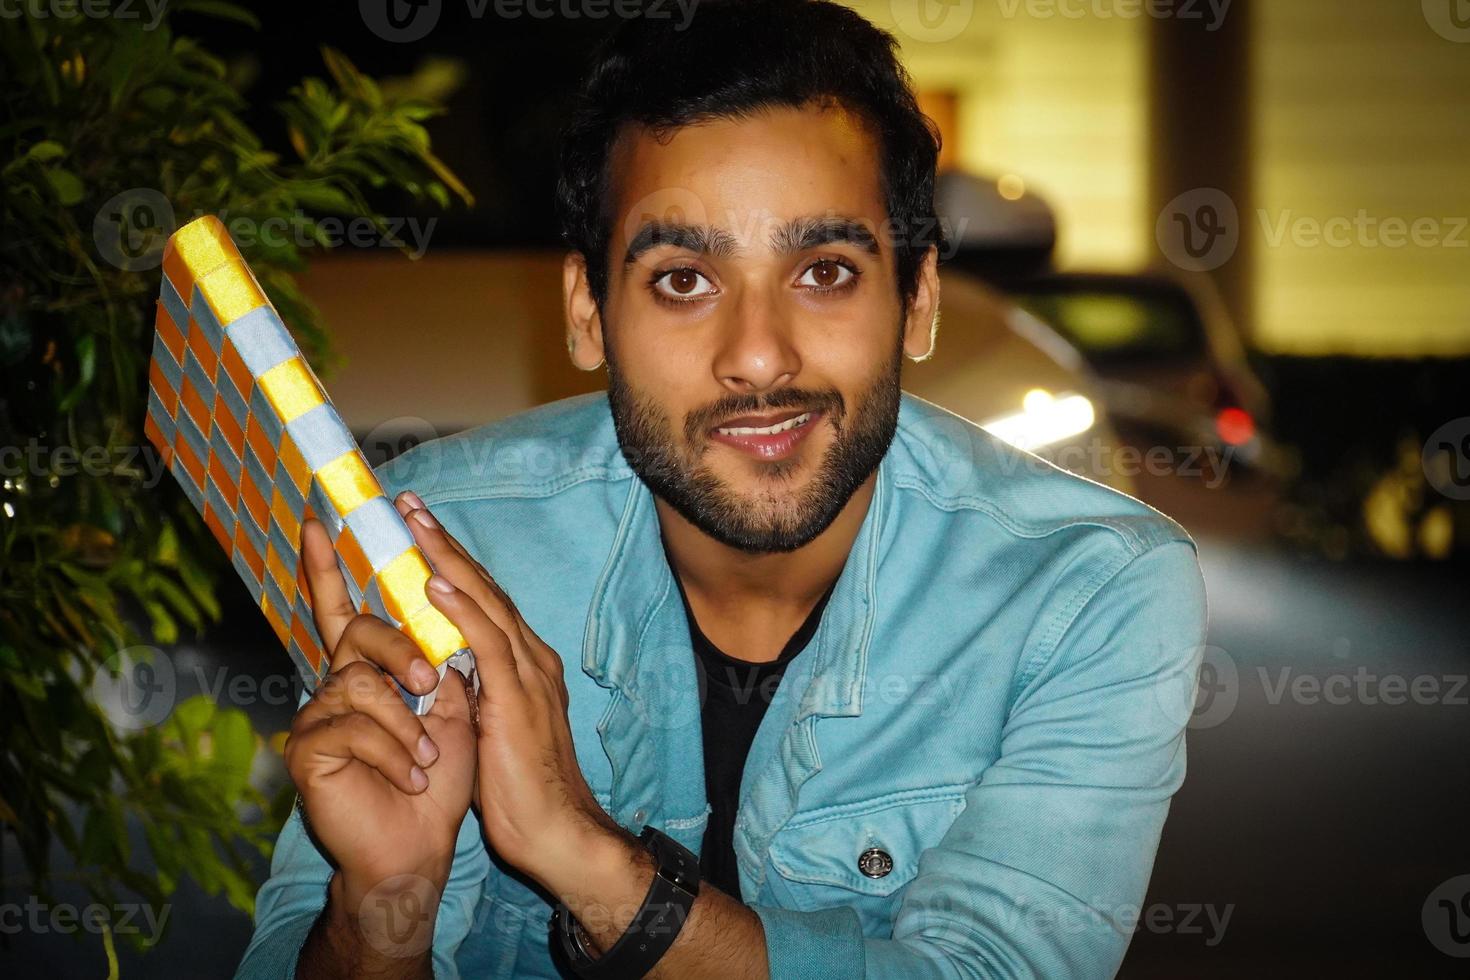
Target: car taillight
{"type": "Point", "coordinates": [1235, 426]}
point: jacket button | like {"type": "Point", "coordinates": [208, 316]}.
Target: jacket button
{"type": "Point", "coordinates": [640, 815]}
{"type": "Point", "coordinates": [875, 862]}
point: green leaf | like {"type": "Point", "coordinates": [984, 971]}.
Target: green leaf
{"type": "Point", "coordinates": [191, 717]}
{"type": "Point", "coordinates": [45, 151]}
{"type": "Point", "coordinates": [165, 628]}
{"type": "Point", "coordinates": [325, 197]}
{"type": "Point", "coordinates": [66, 185]}
{"type": "Point", "coordinates": [165, 855]}
{"type": "Point", "coordinates": [87, 358]}
{"type": "Point", "coordinates": [234, 750]}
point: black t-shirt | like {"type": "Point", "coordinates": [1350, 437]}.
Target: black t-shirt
{"type": "Point", "coordinates": [735, 695]}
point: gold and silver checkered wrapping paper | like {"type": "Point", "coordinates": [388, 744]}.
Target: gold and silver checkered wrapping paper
{"type": "Point", "coordinates": [246, 428]}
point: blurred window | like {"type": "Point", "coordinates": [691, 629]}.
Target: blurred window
{"type": "Point", "coordinates": [1118, 326]}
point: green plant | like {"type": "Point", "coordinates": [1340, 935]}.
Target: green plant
{"type": "Point", "coordinates": [98, 114]}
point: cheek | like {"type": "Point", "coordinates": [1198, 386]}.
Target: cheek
{"type": "Point", "coordinates": [849, 348]}
{"type": "Point", "coordinates": [659, 362]}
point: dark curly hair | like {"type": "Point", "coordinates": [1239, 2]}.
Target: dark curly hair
{"type": "Point", "coordinates": [735, 58]}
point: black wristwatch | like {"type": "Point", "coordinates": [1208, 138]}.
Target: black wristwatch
{"type": "Point", "coordinates": [653, 929]}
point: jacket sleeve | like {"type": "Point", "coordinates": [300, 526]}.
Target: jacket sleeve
{"type": "Point", "coordinates": [295, 893]}
{"type": "Point", "coordinates": [1044, 872]}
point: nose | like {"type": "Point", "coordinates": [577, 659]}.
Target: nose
{"type": "Point", "coordinates": [756, 351]}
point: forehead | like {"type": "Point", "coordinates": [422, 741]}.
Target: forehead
{"type": "Point", "coordinates": [743, 175]}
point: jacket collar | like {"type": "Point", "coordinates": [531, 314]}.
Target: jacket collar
{"type": "Point", "coordinates": [637, 584]}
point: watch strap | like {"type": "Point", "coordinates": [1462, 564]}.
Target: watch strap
{"type": "Point", "coordinates": [654, 928]}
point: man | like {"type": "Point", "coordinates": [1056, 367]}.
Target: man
{"type": "Point", "coordinates": [912, 696]}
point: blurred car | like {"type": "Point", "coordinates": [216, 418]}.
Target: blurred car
{"type": "Point", "coordinates": [1003, 368]}
{"type": "Point", "coordinates": [1169, 362]}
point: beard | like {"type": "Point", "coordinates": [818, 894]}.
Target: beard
{"type": "Point", "coordinates": [776, 516]}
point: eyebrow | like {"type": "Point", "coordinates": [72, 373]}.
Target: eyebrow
{"type": "Point", "coordinates": [796, 235]}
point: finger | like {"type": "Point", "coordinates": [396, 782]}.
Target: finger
{"type": "Point", "coordinates": [495, 658]}
{"type": "Point", "coordinates": [362, 689]}
{"type": "Point", "coordinates": [406, 502]}
{"type": "Point", "coordinates": [369, 638]}
{"type": "Point", "coordinates": [470, 576]}
{"type": "Point", "coordinates": [325, 749]}
{"type": "Point", "coordinates": [331, 606]}
{"type": "Point", "coordinates": [455, 564]}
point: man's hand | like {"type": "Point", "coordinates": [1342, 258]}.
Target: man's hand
{"type": "Point", "coordinates": [532, 799]}
{"type": "Point", "coordinates": [538, 812]}
{"type": "Point", "coordinates": [383, 790]}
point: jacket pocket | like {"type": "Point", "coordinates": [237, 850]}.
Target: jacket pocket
{"type": "Point", "coordinates": [863, 854]}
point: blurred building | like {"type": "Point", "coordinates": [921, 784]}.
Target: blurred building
{"type": "Point", "coordinates": [1339, 130]}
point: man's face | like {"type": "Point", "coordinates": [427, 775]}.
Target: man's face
{"type": "Point", "coordinates": [753, 329]}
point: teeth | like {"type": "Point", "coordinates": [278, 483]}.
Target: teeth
{"type": "Point", "coordinates": [768, 430]}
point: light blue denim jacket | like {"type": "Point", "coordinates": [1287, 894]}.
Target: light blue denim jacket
{"type": "Point", "coordinates": [995, 698]}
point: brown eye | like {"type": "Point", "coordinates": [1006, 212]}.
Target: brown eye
{"type": "Point", "coordinates": [826, 274]}
{"type": "Point", "coordinates": [683, 284]}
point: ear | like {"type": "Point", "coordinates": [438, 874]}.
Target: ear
{"type": "Point", "coordinates": [922, 320]}
{"type": "Point", "coordinates": [584, 322]}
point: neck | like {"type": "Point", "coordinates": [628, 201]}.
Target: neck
{"type": "Point", "coordinates": [725, 582]}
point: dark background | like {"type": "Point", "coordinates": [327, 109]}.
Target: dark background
{"type": "Point", "coordinates": [1322, 828]}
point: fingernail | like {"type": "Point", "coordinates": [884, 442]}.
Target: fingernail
{"type": "Point", "coordinates": [413, 500]}
{"type": "Point", "coordinates": [418, 778]}
{"type": "Point", "coordinates": [428, 751]}
{"type": "Point", "coordinates": [439, 583]}
{"type": "Point", "coordinates": [426, 519]}
{"type": "Point", "coordinates": [423, 676]}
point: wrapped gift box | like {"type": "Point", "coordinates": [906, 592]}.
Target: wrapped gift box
{"type": "Point", "coordinates": [246, 428]}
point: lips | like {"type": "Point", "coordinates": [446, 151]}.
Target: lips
{"type": "Point", "coordinates": [767, 437]}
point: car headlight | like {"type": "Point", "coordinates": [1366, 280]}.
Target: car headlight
{"type": "Point", "coordinates": [1044, 420]}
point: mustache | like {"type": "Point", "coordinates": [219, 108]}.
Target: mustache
{"type": "Point", "coordinates": [700, 421]}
